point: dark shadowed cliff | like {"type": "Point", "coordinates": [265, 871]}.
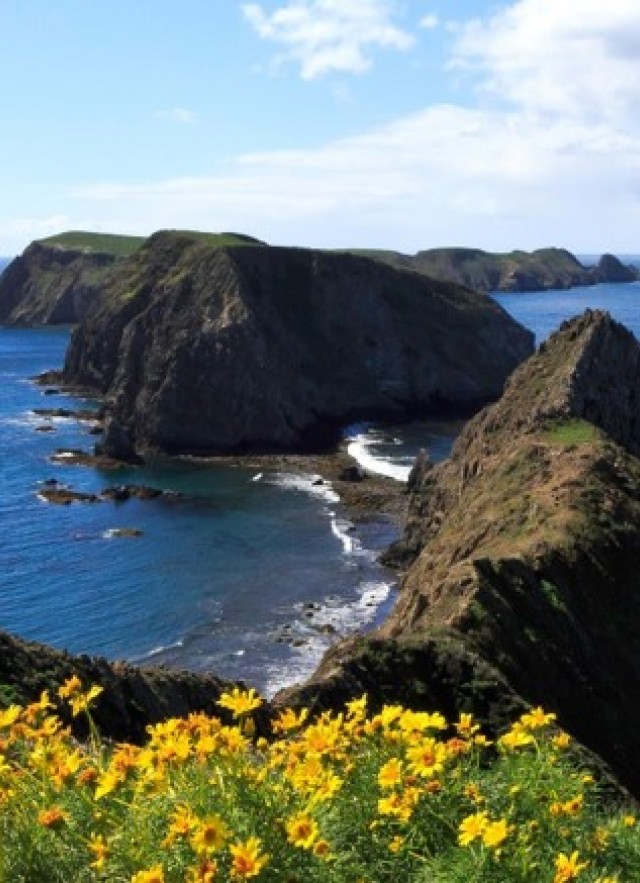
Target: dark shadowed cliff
{"type": "Point", "coordinates": [521, 556]}
{"type": "Point", "coordinates": [538, 270]}
{"type": "Point", "coordinates": [59, 280]}
{"type": "Point", "coordinates": [133, 697]}
{"type": "Point", "coordinates": [200, 348]}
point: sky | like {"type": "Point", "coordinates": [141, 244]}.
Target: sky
{"type": "Point", "coordinates": [400, 124]}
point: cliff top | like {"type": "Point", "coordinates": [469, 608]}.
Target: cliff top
{"type": "Point", "coordinates": [102, 243]}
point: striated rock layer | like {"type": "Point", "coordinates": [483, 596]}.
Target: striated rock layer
{"type": "Point", "coordinates": [57, 281]}
{"type": "Point", "coordinates": [522, 557]}
{"type": "Point", "coordinates": [202, 349]}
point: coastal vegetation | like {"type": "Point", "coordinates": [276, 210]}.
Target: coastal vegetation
{"type": "Point", "coordinates": [104, 243]}
{"type": "Point", "coordinates": [349, 796]}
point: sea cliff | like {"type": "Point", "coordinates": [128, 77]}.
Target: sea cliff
{"type": "Point", "coordinates": [57, 281]}
{"type": "Point", "coordinates": [201, 349]}
{"type": "Point", "coordinates": [520, 557]}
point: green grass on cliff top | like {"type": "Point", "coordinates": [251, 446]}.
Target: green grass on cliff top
{"type": "Point", "coordinates": [104, 243]}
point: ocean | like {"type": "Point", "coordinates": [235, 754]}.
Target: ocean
{"type": "Point", "coordinates": [247, 575]}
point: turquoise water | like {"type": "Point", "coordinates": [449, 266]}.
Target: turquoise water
{"type": "Point", "coordinates": [242, 577]}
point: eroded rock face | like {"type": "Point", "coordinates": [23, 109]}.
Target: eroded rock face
{"type": "Point", "coordinates": [51, 285]}
{"type": "Point", "coordinates": [201, 349]}
{"type": "Point", "coordinates": [522, 552]}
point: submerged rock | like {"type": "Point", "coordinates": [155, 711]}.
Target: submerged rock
{"type": "Point", "coordinates": [202, 349]}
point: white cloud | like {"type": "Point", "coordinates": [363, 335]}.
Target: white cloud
{"type": "Point", "coordinates": [429, 22]}
{"type": "Point", "coordinates": [322, 36]}
{"type": "Point", "coordinates": [176, 115]}
{"type": "Point", "coordinates": [550, 58]}
{"type": "Point", "coordinates": [550, 155]}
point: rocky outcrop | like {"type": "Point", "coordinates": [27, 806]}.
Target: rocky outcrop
{"type": "Point", "coordinates": [540, 270]}
{"type": "Point", "coordinates": [59, 280]}
{"type": "Point", "coordinates": [132, 699]}
{"type": "Point", "coordinates": [202, 349]}
{"type": "Point", "coordinates": [610, 269]}
{"type": "Point", "coordinates": [521, 556]}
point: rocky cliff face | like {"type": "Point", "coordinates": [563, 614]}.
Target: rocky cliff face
{"type": "Point", "coordinates": [203, 349]}
{"type": "Point", "coordinates": [538, 270]}
{"type": "Point", "coordinates": [521, 555]}
{"type": "Point", "coordinates": [57, 281]}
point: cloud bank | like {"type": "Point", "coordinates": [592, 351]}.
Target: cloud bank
{"type": "Point", "coordinates": [548, 153]}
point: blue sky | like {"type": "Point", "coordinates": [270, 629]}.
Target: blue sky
{"type": "Point", "coordinates": [404, 124]}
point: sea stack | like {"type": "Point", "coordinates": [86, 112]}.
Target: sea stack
{"type": "Point", "coordinates": [201, 348]}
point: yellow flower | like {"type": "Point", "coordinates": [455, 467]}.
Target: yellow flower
{"type": "Point", "coordinates": [357, 707]}
{"type": "Point", "coordinates": [99, 848]}
{"type": "Point", "coordinates": [628, 821]}
{"type": "Point", "coordinates": [561, 741]}
{"type": "Point", "coordinates": [536, 718]}
{"type": "Point", "coordinates": [205, 872]}
{"type": "Point", "coordinates": [517, 737]}
{"type": "Point", "coordinates": [472, 827]}
{"type": "Point", "coordinates": [83, 700]}
{"type": "Point", "coordinates": [568, 867]}
{"type": "Point", "coordinates": [52, 818]}
{"type": "Point", "coordinates": [495, 833]}
{"type": "Point", "coordinates": [321, 849]}
{"type": "Point", "coordinates": [288, 720]}
{"type": "Point", "coordinates": [210, 835]}
{"type": "Point", "coordinates": [9, 716]}
{"type": "Point", "coordinates": [302, 831]}
{"type": "Point", "coordinates": [390, 773]}
{"type": "Point", "coordinates": [569, 808]}
{"type": "Point", "coordinates": [70, 687]}
{"type": "Point", "coordinates": [153, 875]}
{"type": "Point", "coordinates": [246, 859]}
{"type": "Point", "coordinates": [427, 757]}
{"type": "Point", "coordinates": [466, 726]}
{"type": "Point", "coordinates": [239, 701]}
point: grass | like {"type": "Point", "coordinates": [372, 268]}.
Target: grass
{"type": "Point", "coordinates": [104, 243]}
{"type": "Point", "coordinates": [572, 432]}
{"type": "Point", "coordinates": [350, 797]}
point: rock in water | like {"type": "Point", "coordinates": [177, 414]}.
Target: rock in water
{"type": "Point", "coordinates": [522, 556]}
{"type": "Point", "coordinates": [202, 349]}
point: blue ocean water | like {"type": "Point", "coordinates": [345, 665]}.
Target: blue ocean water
{"type": "Point", "coordinates": [247, 578]}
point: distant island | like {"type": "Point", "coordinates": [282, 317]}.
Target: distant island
{"type": "Point", "coordinates": [58, 280]}
{"type": "Point", "coordinates": [539, 270]}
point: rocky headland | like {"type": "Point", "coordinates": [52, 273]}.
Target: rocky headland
{"type": "Point", "coordinates": [200, 348]}
{"type": "Point", "coordinates": [521, 558]}
{"type": "Point", "coordinates": [539, 270]}
{"type": "Point", "coordinates": [60, 279]}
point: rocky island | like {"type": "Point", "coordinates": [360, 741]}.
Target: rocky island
{"type": "Point", "coordinates": [201, 347]}
{"type": "Point", "coordinates": [539, 270]}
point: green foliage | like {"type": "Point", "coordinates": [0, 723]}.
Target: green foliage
{"type": "Point", "coordinates": [347, 798]}
{"type": "Point", "coordinates": [104, 243]}
{"type": "Point", "coordinates": [572, 432]}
